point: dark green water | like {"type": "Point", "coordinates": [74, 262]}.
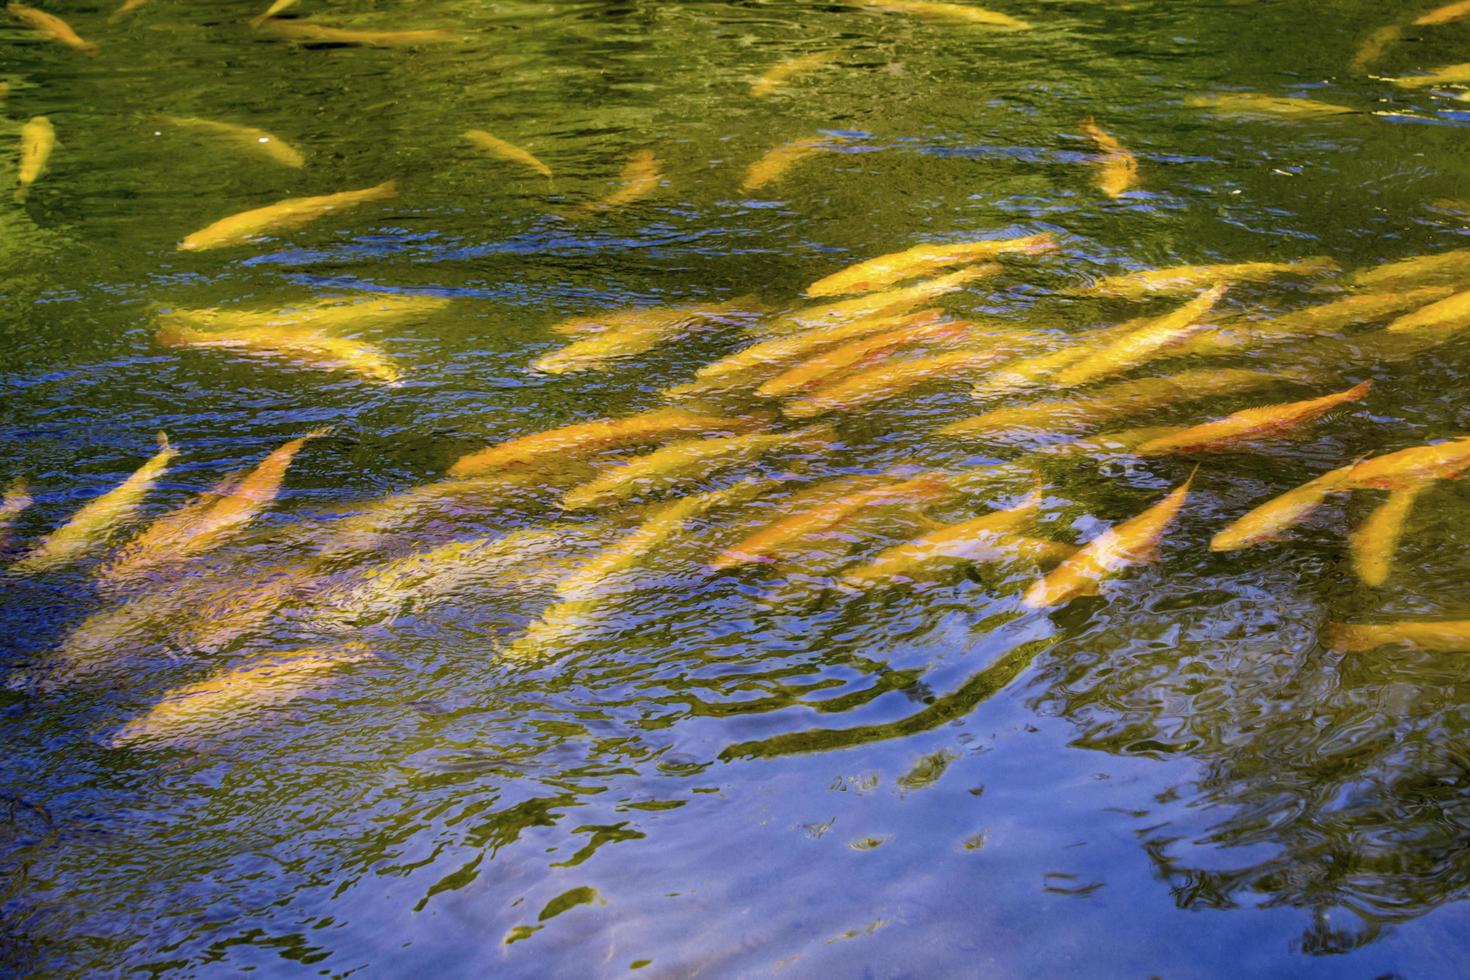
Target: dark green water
{"type": "Point", "coordinates": [727, 775]}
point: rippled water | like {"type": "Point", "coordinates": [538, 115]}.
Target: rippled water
{"type": "Point", "coordinates": [747, 772]}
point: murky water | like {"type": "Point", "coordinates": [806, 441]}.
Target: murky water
{"type": "Point", "coordinates": [674, 770]}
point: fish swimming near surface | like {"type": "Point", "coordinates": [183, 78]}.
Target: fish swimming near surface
{"type": "Point", "coordinates": [1347, 312]}
{"type": "Point", "coordinates": [1265, 422]}
{"type": "Point", "coordinates": [779, 74]}
{"type": "Point", "coordinates": [1447, 14]}
{"type": "Point", "coordinates": [319, 315]}
{"type": "Point", "coordinates": [1189, 278]}
{"type": "Point", "coordinates": [641, 176]}
{"type": "Point", "coordinates": [632, 333]}
{"type": "Point", "coordinates": [1117, 168]}
{"type": "Point", "coordinates": [303, 346]}
{"type": "Point", "coordinates": [884, 303]}
{"type": "Point", "coordinates": [91, 525]}
{"type": "Point", "coordinates": [128, 6]}
{"type": "Point", "coordinates": [1420, 270]}
{"type": "Point", "coordinates": [1374, 45]}
{"type": "Point", "coordinates": [1448, 75]}
{"type": "Point", "coordinates": [1453, 312]}
{"type": "Point", "coordinates": [957, 13]}
{"type": "Point", "coordinates": [890, 380]}
{"type": "Point", "coordinates": [1372, 545]}
{"type": "Point", "coordinates": [1434, 635]}
{"type": "Point", "coordinates": [309, 33]}
{"type": "Point", "coordinates": [50, 26]}
{"type": "Point", "coordinates": [293, 212]}
{"type": "Point", "coordinates": [1143, 344]}
{"type": "Point", "coordinates": [832, 364]}
{"type": "Point", "coordinates": [247, 138]}
{"type": "Point", "coordinates": [497, 147]}
{"type": "Point", "coordinates": [1270, 520]}
{"type": "Point", "coordinates": [275, 8]}
{"type": "Point", "coordinates": [775, 164]}
{"type": "Point", "coordinates": [1394, 471]}
{"type": "Point", "coordinates": [1267, 106]}
{"type": "Point", "coordinates": [37, 140]}
{"type": "Point", "coordinates": [885, 270]}
{"type": "Point", "coordinates": [1133, 542]}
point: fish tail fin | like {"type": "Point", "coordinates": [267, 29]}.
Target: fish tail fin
{"type": "Point", "coordinates": [1358, 390]}
{"type": "Point", "coordinates": [318, 433]}
{"type": "Point", "coordinates": [162, 439]}
{"type": "Point", "coordinates": [1190, 481]}
{"type": "Point", "coordinates": [386, 190]}
{"type": "Point", "coordinates": [175, 335]}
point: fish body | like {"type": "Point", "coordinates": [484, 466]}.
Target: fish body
{"type": "Point", "coordinates": [275, 8]}
{"type": "Point", "coordinates": [640, 177]}
{"type": "Point", "coordinates": [248, 138]}
{"type": "Point", "coordinates": [853, 354]}
{"type": "Point", "coordinates": [50, 26]}
{"type": "Point", "coordinates": [309, 33]}
{"type": "Point", "coordinates": [885, 270]}
{"type": "Point", "coordinates": [1264, 422]}
{"type": "Point", "coordinates": [1188, 278]}
{"type": "Point", "coordinates": [779, 74]}
{"type": "Point", "coordinates": [1133, 542]}
{"type": "Point", "coordinates": [1347, 312]}
{"type": "Point", "coordinates": [1143, 344]}
{"type": "Point", "coordinates": [1420, 270]}
{"type": "Point", "coordinates": [37, 140]}
{"type": "Point", "coordinates": [301, 346]}
{"type": "Point", "coordinates": [1439, 636]}
{"type": "Point", "coordinates": [92, 524]}
{"type": "Point", "coordinates": [1268, 521]}
{"type": "Point", "coordinates": [1394, 471]}
{"type": "Point", "coordinates": [1453, 312]}
{"type": "Point", "coordinates": [957, 13]}
{"type": "Point", "coordinates": [635, 332]}
{"type": "Point", "coordinates": [1447, 14]}
{"type": "Point", "coordinates": [1448, 75]}
{"type": "Point", "coordinates": [580, 439]}
{"type": "Point", "coordinates": [1255, 104]}
{"type": "Point", "coordinates": [890, 380]}
{"type": "Point", "coordinates": [127, 7]}
{"type": "Point", "coordinates": [1373, 544]}
{"type": "Point", "coordinates": [1117, 169]}
{"type": "Point", "coordinates": [293, 212]}
{"type": "Point", "coordinates": [1374, 45]}
{"type": "Point", "coordinates": [774, 165]}
{"type": "Point", "coordinates": [317, 316]}
{"type": "Point", "coordinates": [497, 147]}
{"type": "Point", "coordinates": [885, 302]}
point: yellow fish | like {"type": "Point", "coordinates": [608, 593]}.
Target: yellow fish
{"type": "Point", "coordinates": [293, 212]}
{"type": "Point", "coordinates": [885, 270]}
{"type": "Point", "coordinates": [220, 706]}
{"type": "Point", "coordinates": [1447, 14]}
{"type": "Point", "coordinates": [830, 365]}
{"type": "Point", "coordinates": [96, 520]}
{"type": "Point", "coordinates": [688, 461]}
{"type": "Point", "coordinates": [637, 332]}
{"type": "Point", "coordinates": [320, 315]}
{"type": "Point", "coordinates": [954, 12]}
{"type": "Point", "coordinates": [890, 380]}
{"type": "Point", "coordinates": [506, 151]}
{"type": "Point", "coordinates": [1448, 75]}
{"type": "Point", "coordinates": [276, 7]}
{"type": "Point", "coordinates": [582, 438]}
{"type": "Point", "coordinates": [248, 138]}
{"type": "Point", "coordinates": [1268, 421]}
{"type": "Point", "coordinates": [37, 140]}
{"type": "Point", "coordinates": [128, 7]}
{"type": "Point", "coordinates": [1188, 278]}
{"type": "Point", "coordinates": [1117, 168]}
{"type": "Point", "coordinates": [774, 165]}
{"type": "Point", "coordinates": [1348, 312]}
{"type": "Point", "coordinates": [1451, 313]}
{"type": "Point", "coordinates": [50, 26]}
{"type": "Point", "coordinates": [1395, 471]}
{"type": "Point", "coordinates": [1133, 542]}
{"type": "Point", "coordinates": [302, 346]}
{"type": "Point", "coordinates": [1255, 104]}
{"type": "Point", "coordinates": [1442, 267]}
{"type": "Point", "coordinates": [308, 33]}
{"type": "Point", "coordinates": [1438, 636]}
{"type": "Point", "coordinates": [780, 74]}
{"type": "Point", "coordinates": [1372, 545]}
{"type": "Point", "coordinates": [891, 301]}
{"type": "Point", "coordinates": [1144, 344]}
{"type": "Point", "coordinates": [17, 497]}
{"type": "Point", "coordinates": [1374, 45]}
{"type": "Point", "coordinates": [640, 178]}
{"type": "Point", "coordinates": [1268, 521]}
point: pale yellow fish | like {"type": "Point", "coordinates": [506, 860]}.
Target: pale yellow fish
{"type": "Point", "coordinates": [1268, 521]}
{"type": "Point", "coordinates": [127, 7]}
{"type": "Point", "coordinates": [1265, 422]}
{"type": "Point", "coordinates": [957, 13]}
{"type": "Point", "coordinates": [90, 526]}
{"type": "Point", "coordinates": [207, 521]}
{"type": "Point", "coordinates": [1117, 169]}
{"type": "Point", "coordinates": [827, 367]}
{"type": "Point", "coordinates": [1373, 544]}
{"type": "Point", "coordinates": [1374, 45]}
{"type": "Point", "coordinates": [688, 461]}
{"type": "Point", "coordinates": [640, 178]}
{"type": "Point", "coordinates": [885, 270]}
{"type": "Point", "coordinates": [1347, 312]}
{"type": "Point", "coordinates": [1133, 542]}
{"type": "Point", "coordinates": [1419, 270]}
{"type": "Point", "coordinates": [1435, 635]}
{"type": "Point", "coordinates": [220, 706]}
{"type": "Point", "coordinates": [497, 147]}
{"type": "Point", "coordinates": [1188, 278]}
{"type": "Point", "coordinates": [1407, 467]}
{"type": "Point", "coordinates": [580, 439]}
{"type": "Point", "coordinates": [1452, 312]}
{"type": "Point", "coordinates": [50, 26]}
{"type": "Point", "coordinates": [320, 315]}
{"type": "Point", "coordinates": [1143, 344]}
{"type": "Point", "coordinates": [302, 346]}
{"type": "Point", "coordinates": [37, 140]}
{"type": "Point", "coordinates": [309, 33]}
{"type": "Point", "coordinates": [891, 301]}
{"type": "Point", "coordinates": [775, 164]}
{"type": "Point", "coordinates": [890, 380]}
{"type": "Point", "coordinates": [1255, 104]}
{"type": "Point", "coordinates": [275, 8]}
{"type": "Point", "coordinates": [779, 74]}
{"type": "Point", "coordinates": [293, 212]}
{"type": "Point", "coordinates": [17, 497]}
{"type": "Point", "coordinates": [636, 332]}
{"type": "Point", "coordinates": [1447, 14]}
{"type": "Point", "coordinates": [247, 138]}
{"type": "Point", "coordinates": [1448, 75]}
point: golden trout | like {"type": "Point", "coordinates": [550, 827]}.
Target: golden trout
{"type": "Point", "coordinates": [1143, 344]}
{"type": "Point", "coordinates": [1267, 106]}
{"type": "Point", "coordinates": [779, 74]}
{"type": "Point", "coordinates": [1434, 635]}
{"type": "Point", "coordinates": [887, 302]}
{"type": "Point", "coordinates": [1395, 471]}
{"type": "Point", "coordinates": [275, 8]}
{"type": "Point", "coordinates": [1188, 278]}
{"type": "Point", "coordinates": [1117, 169]}
{"type": "Point", "coordinates": [1373, 544]}
{"type": "Point", "coordinates": [921, 260]}
{"type": "Point", "coordinates": [319, 316]}
{"type": "Point", "coordinates": [304, 347]}
{"type": "Point", "coordinates": [247, 138]}
{"type": "Point", "coordinates": [636, 332]}
{"type": "Point", "coordinates": [293, 212]}
{"type": "Point", "coordinates": [1374, 45]}
{"type": "Point", "coordinates": [954, 12]}
{"type": "Point", "coordinates": [890, 380]}
{"type": "Point", "coordinates": [1277, 515]}
{"type": "Point", "coordinates": [1133, 542]}
{"type": "Point", "coordinates": [50, 26]}
{"type": "Point", "coordinates": [1420, 270]}
{"type": "Point", "coordinates": [830, 365]}
{"type": "Point", "coordinates": [1266, 422]}
{"type": "Point", "coordinates": [308, 33]}
{"type": "Point", "coordinates": [1450, 313]}
{"type": "Point", "coordinates": [497, 147]}
{"type": "Point", "coordinates": [1448, 75]}
{"type": "Point", "coordinates": [1447, 14]}
{"type": "Point", "coordinates": [640, 178]}
{"type": "Point", "coordinates": [1348, 312]}
{"type": "Point", "coordinates": [774, 165]}
{"type": "Point", "coordinates": [37, 140]}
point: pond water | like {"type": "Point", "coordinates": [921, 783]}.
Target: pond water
{"type": "Point", "coordinates": [594, 748]}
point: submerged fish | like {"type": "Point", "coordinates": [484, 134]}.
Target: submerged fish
{"type": "Point", "coordinates": [17, 497]}
{"type": "Point", "coordinates": [220, 706]}
{"type": "Point", "coordinates": [1374, 45]}
{"type": "Point", "coordinates": [1373, 544]}
{"type": "Point", "coordinates": [497, 147]}
{"type": "Point", "coordinates": [309, 33]}
{"type": "Point", "coordinates": [890, 380]}
{"type": "Point", "coordinates": [1255, 104]}
{"type": "Point", "coordinates": [320, 315]}
{"type": "Point", "coordinates": [304, 346]}
{"type": "Point", "coordinates": [1447, 14]}
{"type": "Point", "coordinates": [1448, 75]}
{"type": "Point", "coordinates": [1395, 471]}
{"type": "Point", "coordinates": [634, 332]}
{"type": "Point", "coordinates": [1452, 312]}
{"type": "Point", "coordinates": [582, 438]}
{"type": "Point", "coordinates": [1419, 270]}
{"type": "Point", "coordinates": [248, 138]}
{"type": "Point", "coordinates": [1268, 421]}
{"type": "Point", "coordinates": [37, 140]}
{"type": "Point", "coordinates": [50, 26]}
{"type": "Point", "coordinates": [1348, 312]}
{"type": "Point", "coordinates": [1435, 635]}
{"type": "Point", "coordinates": [831, 364]}
{"type": "Point", "coordinates": [127, 7]}
{"type": "Point", "coordinates": [779, 74]}
{"type": "Point", "coordinates": [640, 178]}
{"type": "Point", "coordinates": [293, 212]}
{"type": "Point", "coordinates": [1143, 344]}
{"type": "Point", "coordinates": [91, 525]}
{"type": "Point", "coordinates": [1133, 542]}
{"type": "Point", "coordinates": [885, 270]}
{"type": "Point", "coordinates": [276, 7]}
{"type": "Point", "coordinates": [774, 165]}
{"type": "Point", "coordinates": [1117, 168]}
{"type": "Point", "coordinates": [1188, 278]}
{"type": "Point", "coordinates": [955, 12]}
{"type": "Point", "coordinates": [1271, 519]}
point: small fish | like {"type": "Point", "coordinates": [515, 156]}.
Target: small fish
{"type": "Point", "coordinates": [1255, 104]}
{"type": "Point", "coordinates": [17, 497]}
{"type": "Point", "coordinates": [37, 140]}
{"type": "Point", "coordinates": [50, 26]}
{"type": "Point", "coordinates": [954, 12]}
{"type": "Point", "coordinates": [1374, 45]}
{"type": "Point", "coordinates": [1437, 636]}
{"type": "Point", "coordinates": [1144, 344]}
{"type": "Point", "coordinates": [302, 346]}
{"type": "Point", "coordinates": [497, 147]}
{"type": "Point", "coordinates": [890, 380]}
{"type": "Point", "coordinates": [582, 438]}
{"type": "Point", "coordinates": [220, 706]}
{"type": "Point", "coordinates": [91, 525]}
{"type": "Point", "coordinates": [1133, 542]}
{"type": "Point", "coordinates": [308, 33]}
{"type": "Point", "coordinates": [1373, 544]}
{"type": "Point", "coordinates": [1117, 168]}
{"type": "Point", "coordinates": [1395, 471]}
{"type": "Point", "coordinates": [636, 332]}
{"type": "Point", "coordinates": [275, 8]}
{"type": "Point", "coordinates": [1447, 14]}
{"type": "Point", "coordinates": [831, 365]}
{"type": "Point", "coordinates": [1420, 270]}
{"type": "Point", "coordinates": [127, 7]}
{"type": "Point", "coordinates": [885, 270]}
{"type": "Point", "coordinates": [1448, 75]}
{"type": "Point", "coordinates": [1268, 421]}
{"type": "Point", "coordinates": [318, 315]}
{"type": "Point", "coordinates": [1450, 313]}
{"type": "Point", "coordinates": [891, 301]}
{"type": "Point", "coordinates": [640, 178]}
{"type": "Point", "coordinates": [779, 74]}
{"type": "Point", "coordinates": [1189, 278]}
{"type": "Point", "coordinates": [293, 212]}
{"type": "Point", "coordinates": [774, 165]}
{"type": "Point", "coordinates": [687, 461]}
{"type": "Point", "coordinates": [248, 138]}
{"type": "Point", "coordinates": [1268, 521]}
